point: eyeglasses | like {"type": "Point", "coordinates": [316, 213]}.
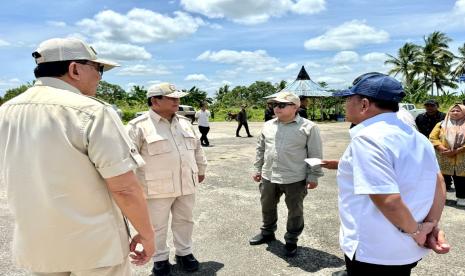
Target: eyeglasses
{"type": "Point", "coordinates": [97, 66]}
{"type": "Point", "coordinates": [281, 105]}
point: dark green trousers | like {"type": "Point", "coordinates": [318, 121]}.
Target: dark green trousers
{"type": "Point", "coordinates": [294, 198]}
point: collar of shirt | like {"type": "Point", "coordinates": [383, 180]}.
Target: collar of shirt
{"type": "Point", "coordinates": [380, 117]}
{"type": "Point", "coordinates": [56, 83]}
{"type": "Point", "coordinates": [297, 119]}
{"type": "Point", "coordinates": [157, 118]}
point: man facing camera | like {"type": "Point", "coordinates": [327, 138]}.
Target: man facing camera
{"type": "Point", "coordinates": [283, 145]}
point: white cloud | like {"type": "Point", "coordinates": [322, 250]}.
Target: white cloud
{"type": "Point", "coordinates": [140, 26]}
{"type": "Point", "coordinates": [331, 80]}
{"type": "Point", "coordinates": [459, 7]}
{"type": "Point", "coordinates": [59, 24]}
{"type": "Point", "coordinates": [141, 69]}
{"type": "Point", "coordinates": [342, 69]}
{"type": "Point", "coordinates": [252, 11]}
{"type": "Point", "coordinates": [374, 57]}
{"type": "Point", "coordinates": [120, 51]}
{"type": "Point", "coordinates": [196, 77]}
{"type": "Point", "coordinates": [4, 43]}
{"type": "Point", "coordinates": [9, 83]}
{"type": "Point", "coordinates": [349, 35]}
{"type": "Point", "coordinates": [253, 62]}
{"type": "Point", "coordinates": [311, 64]}
{"type": "Point", "coordinates": [345, 57]}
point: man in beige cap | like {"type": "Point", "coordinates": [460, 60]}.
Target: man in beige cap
{"type": "Point", "coordinates": [282, 146]}
{"type": "Point", "coordinates": [68, 167]}
{"type": "Point", "coordinates": [175, 166]}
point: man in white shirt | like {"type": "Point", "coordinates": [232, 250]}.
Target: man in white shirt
{"type": "Point", "coordinates": [391, 193]}
{"type": "Point", "coordinates": [202, 116]}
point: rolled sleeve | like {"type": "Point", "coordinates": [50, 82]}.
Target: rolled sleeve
{"type": "Point", "coordinates": [109, 147]}
{"type": "Point", "coordinates": [373, 169]}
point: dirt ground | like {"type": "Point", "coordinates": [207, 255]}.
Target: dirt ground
{"type": "Point", "coordinates": [227, 214]}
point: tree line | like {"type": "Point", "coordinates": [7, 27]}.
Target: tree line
{"type": "Point", "coordinates": [424, 69]}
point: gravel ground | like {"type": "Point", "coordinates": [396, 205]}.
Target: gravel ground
{"type": "Point", "coordinates": [227, 214]}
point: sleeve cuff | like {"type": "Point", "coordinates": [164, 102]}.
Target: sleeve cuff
{"type": "Point", "coordinates": [119, 168]}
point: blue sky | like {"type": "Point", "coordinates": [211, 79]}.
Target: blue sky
{"type": "Point", "coordinates": [208, 43]}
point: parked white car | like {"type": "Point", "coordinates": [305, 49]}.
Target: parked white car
{"type": "Point", "coordinates": [411, 108]}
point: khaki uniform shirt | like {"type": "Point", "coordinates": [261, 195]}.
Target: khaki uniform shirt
{"type": "Point", "coordinates": [56, 148]}
{"type": "Point", "coordinates": [282, 148]}
{"type": "Point", "coordinates": [172, 152]}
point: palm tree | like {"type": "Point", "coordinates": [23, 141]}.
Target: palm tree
{"type": "Point", "coordinates": [435, 61]}
{"type": "Point", "coordinates": [404, 62]}
{"type": "Point", "coordinates": [460, 69]}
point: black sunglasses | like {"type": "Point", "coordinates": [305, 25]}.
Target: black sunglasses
{"type": "Point", "coordinates": [97, 66]}
{"type": "Point", "coordinates": [281, 105]}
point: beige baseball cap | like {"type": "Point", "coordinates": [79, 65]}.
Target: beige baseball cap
{"type": "Point", "coordinates": [286, 97]}
{"type": "Point", "coordinates": [165, 89]}
{"type": "Point", "coordinates": [62, 49]}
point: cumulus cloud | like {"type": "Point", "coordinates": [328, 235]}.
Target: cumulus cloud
{"type": "Point", "coordinates": [331, 80]}
{"type": "Point", "coordinates": [140, 26]}
{"type": "Point", "coordinates": [252, 11]}
{"type": "Point", "coordinates": [196, 77]}
{"type": "Point", "coordinates": [342, 69]}
{"type": "Point", "coordinates": [349, 35]}
{"type": "Point", "coordinates": [141, 70]}
{"type": "Point", "coordinates": [59, 24]}
{"type": "Point", "coordinates": [250, 61]}
{"type": "Point", "coordinates": [374, 57]}
{"type": "Point", "coordinates": [459, 7]}
{"type": "Point", "coordinates": [345, 57]}
{"type": "Point", "coordinates": [120, 51]}
{"type": "Point", "coordinates": [4, 43]}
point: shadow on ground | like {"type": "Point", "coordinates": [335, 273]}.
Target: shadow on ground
{"type": "Point", "coordinates": [206, 269]}
{"type": "Point", "coordinates": [307, 259]}
{"type": "Point", "coordinates": [453, 203]}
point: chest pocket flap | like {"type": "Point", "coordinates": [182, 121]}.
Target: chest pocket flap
{"type": "Point", "coordinates": [191, 141]}
{"type": "Point", "coordinates": [157, 144]}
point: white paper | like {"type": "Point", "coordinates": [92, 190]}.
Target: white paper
{"type": "Point", "coordinates": [313, 161]}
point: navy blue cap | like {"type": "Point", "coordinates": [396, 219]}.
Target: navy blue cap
{"type": "Point", "coordinates": [375, 85]}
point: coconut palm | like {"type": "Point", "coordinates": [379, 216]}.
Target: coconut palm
{"type": "Point", "coordinates": [404, 62]}
{"type": "Point", "coordinates": [435, 62]}
{"type": "Point", "coordinates": [460, 69]}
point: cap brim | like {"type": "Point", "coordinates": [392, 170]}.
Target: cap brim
{"type": "Point", "coordinates": [280, 100]}
{"type": "Point", "coordinates": [107, 65]}
{"type": "Point", "coordinates": [177, 94]}
{"type": "Point", "coordinates": [343, 93]}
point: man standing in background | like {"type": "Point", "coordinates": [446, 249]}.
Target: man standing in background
{"type": "Point", "coordinates": [428, 120]}
{"type": "Point", "coordinates": [242, 121]}
{"type": "Point", "coordinates": [202, 116]}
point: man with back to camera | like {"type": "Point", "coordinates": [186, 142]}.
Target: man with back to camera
{"type": "Point", "coordinates": [175, 165]}
{"type": "Point", "coordinates": [389, 181]}
{"type": "Point", "coordinates": [283, 145]}
{"type": "Point", "coordinates": [68, 167]}
{"type": "Point", "coordinates": [427, 121]}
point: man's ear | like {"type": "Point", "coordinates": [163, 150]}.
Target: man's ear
{"type": "Point", "coordinates": [73, 71]}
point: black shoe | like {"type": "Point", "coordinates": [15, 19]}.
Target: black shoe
{"type": "Point", "coordinates": [290, 249]}
{"type": "Point", "coordinates": [161, 268]}
{"type": "Point", "coordinates": [249, 135]}
{"type": "Point", "coordinates": [188, 263]}
{"type": "Point", "coordinates": [237, 135]}
{"type": "Point", "coordinates": [340, 273]}
{"type": "Point", "coordinates": [261, 239]}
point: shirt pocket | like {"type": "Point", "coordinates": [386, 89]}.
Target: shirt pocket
{"type": "Point", "coordinates": [159, 182]}
{"type": "Point", "coordinates": [191, 141]}
{"type": "Point", "coordinates": [157, 144]}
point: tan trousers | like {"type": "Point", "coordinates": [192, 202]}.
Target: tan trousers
{"type": "Point", "coordinates": [182, 224]}
{"type": "Point", "coordinates": [123, 269]}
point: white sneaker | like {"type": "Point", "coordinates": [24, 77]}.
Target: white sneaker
{"type": "Point", "coordinates": [461, 202]}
